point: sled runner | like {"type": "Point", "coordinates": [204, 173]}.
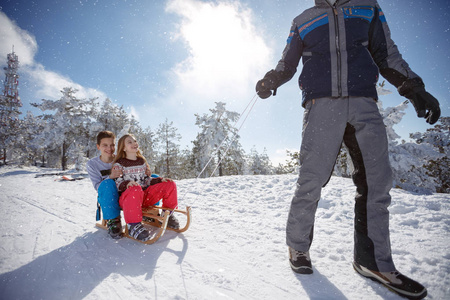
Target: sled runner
{"type": "Point", "coordinates": [152, 217]}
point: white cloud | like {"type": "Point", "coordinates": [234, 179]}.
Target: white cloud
{"type": "Point", "coordinates": [47, 84]}
{"type": "Point", "coordinates": [24, 43]}
{"type": "Point", "coordinates": [227, 53]}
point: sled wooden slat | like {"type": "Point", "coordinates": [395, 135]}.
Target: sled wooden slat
{"type": "Point", "coordinates": [159, 222]}
{"type": "Point", "coordinates": [156, 237]}
{"type": "Point", "coordinates": [102, 225]}
{"type": "Point", "coordinates": [152, 212]}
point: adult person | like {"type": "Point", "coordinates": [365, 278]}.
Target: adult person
{"type": "Point", "coordinates": [345, 45]}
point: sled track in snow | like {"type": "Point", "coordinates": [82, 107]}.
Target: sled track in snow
{"type": "Point", "coordinates": [43, 209]}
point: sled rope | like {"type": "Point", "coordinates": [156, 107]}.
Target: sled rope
{"type": "Point", "coordinates": [251, 104]}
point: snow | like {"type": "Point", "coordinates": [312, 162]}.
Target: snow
{"type": "Point", "coordinates": [234, 249]}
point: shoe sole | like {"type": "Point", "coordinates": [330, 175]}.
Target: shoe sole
{"type": "Point", "coordinates": [116, 237]}
{"type": "Point", "coordinates": [369, 274]}
{"type": "Point", "coordinates": [301, 270]}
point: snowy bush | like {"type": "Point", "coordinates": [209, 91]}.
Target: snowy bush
{"type": "Point", "coordinates": [411, 162]}
{"type": "Point", "coordinates": [259, 164]}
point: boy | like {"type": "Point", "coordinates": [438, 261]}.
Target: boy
{"type": "Point", "coordinates": [102, 177]}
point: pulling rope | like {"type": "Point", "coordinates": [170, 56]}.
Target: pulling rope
{"type": "Point", "coordinates": [251, 104]}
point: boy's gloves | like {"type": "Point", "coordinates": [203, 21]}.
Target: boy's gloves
{"type": "Point", "coordinates": [425, 104]}
{"type": "Point", "coordinates": [265, 86]}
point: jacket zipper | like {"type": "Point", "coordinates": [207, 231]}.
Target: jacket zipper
{"type": "Point", "coordinates": [338, 50]}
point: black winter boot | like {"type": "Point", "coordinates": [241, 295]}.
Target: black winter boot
{"type": "Point", "coordinates": [138, 232]}
{"type": "Point", "coordinates": [300, 261]}
{"type": "Point", "coordinates": [395, 281]}
{"type": "Point", "coordinates": [173, 222]}
{"type": "Point", "coordinates": [114, 228]}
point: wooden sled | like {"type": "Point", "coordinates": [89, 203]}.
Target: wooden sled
{"type": "Point", "coordinates": [71, 178]}
{"type": "Point", "coordinates": [152, 218]}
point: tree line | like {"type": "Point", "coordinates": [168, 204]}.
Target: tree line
{"type": "Point", "coordinates": [64, 136]}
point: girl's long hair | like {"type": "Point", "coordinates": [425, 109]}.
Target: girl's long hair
{"type": "Point", "coordinates": [121, 150]}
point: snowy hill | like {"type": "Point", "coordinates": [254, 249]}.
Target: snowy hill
{"type": "Point", "coordinates": [234, 249]}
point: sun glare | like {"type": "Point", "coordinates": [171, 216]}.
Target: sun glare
{"type": "Point", "coordinates": [225, 49]}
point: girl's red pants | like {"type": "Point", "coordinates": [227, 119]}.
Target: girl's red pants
{"type": "Point", "coordinates": [134, 199]}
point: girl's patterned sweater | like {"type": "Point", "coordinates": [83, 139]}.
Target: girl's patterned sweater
{"type": "Point", "coordinates": [133, 170]}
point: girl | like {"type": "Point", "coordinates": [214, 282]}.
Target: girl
{"type": "Point", "coordinates": [137, 189]}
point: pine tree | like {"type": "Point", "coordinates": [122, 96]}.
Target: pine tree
{"type": "Point", "coordinates": [292, 163]}
{"type": "Point", "coordinates": [216, 136]}
{"type": "Point", "coordinates": [65, 130]}
{"type": "Point", "coordinates": [28, 152]}
{"type": "Point", "coordinates": [111, 117]}
{"type": "Point", "coordinates": [186, 166]}
{"type": "Point", "coordinates": [146, 139]}
{"type": "Point", "coordinates": [169, 149]}
{"type": "Point", "coordinates": [259, 164]}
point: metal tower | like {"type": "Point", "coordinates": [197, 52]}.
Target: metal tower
{"type": "Point", "coordinates": [10, 100]}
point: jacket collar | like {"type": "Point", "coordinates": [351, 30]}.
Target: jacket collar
{"type": "Point", "coordinates": [325, 3]}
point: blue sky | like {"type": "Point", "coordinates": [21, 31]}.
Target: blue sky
{"type": "Point", "coordinates": [172, 59]}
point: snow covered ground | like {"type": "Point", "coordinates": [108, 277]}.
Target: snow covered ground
{"type": "Point", "coordinates": [234, 249]}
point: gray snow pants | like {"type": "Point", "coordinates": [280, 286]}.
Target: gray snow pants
{"type": "Point", "coordinates": [356, 121]}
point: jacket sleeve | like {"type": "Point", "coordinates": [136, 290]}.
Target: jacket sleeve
{"type": "Point", "coordinates": [287, 66]}
{"type": "Point", "coordinates": [385, 53]}
{"type": "Point", "coordinates": [94, 174]}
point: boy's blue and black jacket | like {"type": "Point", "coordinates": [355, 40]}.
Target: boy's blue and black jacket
{"type": "Point", "coordinates": [344, 48]}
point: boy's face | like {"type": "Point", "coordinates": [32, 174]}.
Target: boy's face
{"type": "Point", "coordinates": [107, 147]}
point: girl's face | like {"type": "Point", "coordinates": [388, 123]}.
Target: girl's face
{"type": "Point", "coordinates": [131, 146]}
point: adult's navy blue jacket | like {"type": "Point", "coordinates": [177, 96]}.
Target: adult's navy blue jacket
{"type": "Point", "coordinates": [344, 49]}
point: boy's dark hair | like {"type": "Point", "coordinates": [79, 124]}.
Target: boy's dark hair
{"type": "Point", "coordinates": [103, 135]}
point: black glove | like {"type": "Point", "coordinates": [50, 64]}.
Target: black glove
{"type": "Point", "coordinates": [265, 86]}
{"type": "Point", "coordinates": [156, 180]}
{"type": "Point", "coordinates": [425, 104]}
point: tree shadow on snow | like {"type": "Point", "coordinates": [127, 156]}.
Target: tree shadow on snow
{"type": "Point", "coordinates": [74, 270]}
{"type": "Point", "coordinates": [318, 287]}
{"type": "Point", "coordinates": [17, 172]}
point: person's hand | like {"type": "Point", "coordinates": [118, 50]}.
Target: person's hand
{"type": "Point", "coordinates": [148, 172]}
{"type": "Point", "coordinates": [265, 86]}
{"type": "Point", "coordinates": [116, 172]}
{"type": "Point", "coordinates": [132, 183]}
{"type": "Point", "coordinates": [166, 180]}
{"type": "Point", "coordinates": [424, 103]}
